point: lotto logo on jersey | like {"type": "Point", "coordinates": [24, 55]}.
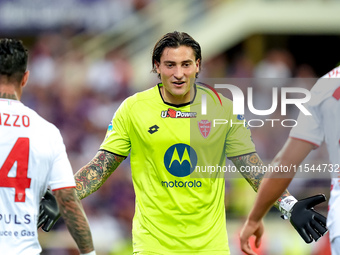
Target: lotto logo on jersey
{"type": "Point", "coordinates": [171, 113]}
{"type": "Point", "coordinates": [180, 160]}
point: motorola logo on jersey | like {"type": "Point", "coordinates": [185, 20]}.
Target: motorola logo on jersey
{"type": "Point", "coordinates": [180, 160]}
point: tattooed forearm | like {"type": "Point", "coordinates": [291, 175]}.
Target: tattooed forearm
{"type": "Point", "coordinates": [254, 178]}
{"type": "Point", "coordinates": [8, 95]}
{"type": "Point", "coordinates": [92, 176]}
{"type": "Point", "coordinates": [73, 214]}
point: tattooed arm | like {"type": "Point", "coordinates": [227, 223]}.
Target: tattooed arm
{"type": "Point", "coordinates": [254, 178]}
{"type": "Point", "coordinates": [73, 214]}
{"type": "Point", "coordinates": [92, 176]}
{"type": "Point", "coordinates": [88, 179]}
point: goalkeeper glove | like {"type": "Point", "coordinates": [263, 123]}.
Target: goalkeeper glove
{"type": "Point", "coordinates": [49, 212]}
{"type": "Point", "coordinates": [308, 223]}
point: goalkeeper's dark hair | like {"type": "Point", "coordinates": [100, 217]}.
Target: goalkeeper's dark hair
{"type": "Point", "coordinates": [13, 59]}
{"type": "Point", "coordinates": [174, 40]}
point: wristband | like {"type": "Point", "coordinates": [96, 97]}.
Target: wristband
{"type": "Point", "coordinates": [90, 253]}
{"type": "Point", "coordinates": [286, 206]}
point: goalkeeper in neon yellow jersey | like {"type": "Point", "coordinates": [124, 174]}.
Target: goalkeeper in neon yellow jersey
{"type": "Point", "coordinates": [179, 204]}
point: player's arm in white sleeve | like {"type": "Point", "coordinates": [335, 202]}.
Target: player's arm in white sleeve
{"type": "Point", "coordinates": [88, 179]}
{"type": "Point", "coordinates": [93, 175]}
{"type": "Point", "coordinates": [273, 187]}
{"type": "Point", "coordinates": [62, 184]}
{"type": "Point", "coordinates": [75, 219]}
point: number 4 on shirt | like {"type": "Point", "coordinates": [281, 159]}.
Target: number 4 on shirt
{"type": "Point", "coordinates": [21, 182]}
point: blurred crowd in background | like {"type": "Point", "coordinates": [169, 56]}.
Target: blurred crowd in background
{"type": "Point", "coordinates": [81, 96]}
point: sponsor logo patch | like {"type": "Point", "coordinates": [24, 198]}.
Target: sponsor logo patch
{"type": "Point", "coordinates": [171, 113]}
{"type": "Point", "coordinates": [153, 129]}
{"type": "Point", "coordinates": [180, 160]}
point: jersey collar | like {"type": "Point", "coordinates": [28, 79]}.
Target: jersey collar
{"type": "Point", "coordinates": [159, 85]}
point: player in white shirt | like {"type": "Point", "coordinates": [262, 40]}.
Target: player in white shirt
{"type": "Point", "coordinates": [310, 132]}
{"type": "Point", "coordinates": [32, 158]}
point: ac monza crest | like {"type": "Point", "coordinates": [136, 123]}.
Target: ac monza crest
{"type": "Point", "coordinates": [204, 127]}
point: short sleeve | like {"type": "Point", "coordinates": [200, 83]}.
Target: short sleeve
{"type": "Point", "coordinates": [308, 128]}
{"type": "Point", "coordinates": [61, 173]}
{"type": "Point", "coordinates": [238, 140]}
{"type": "Point", "coordinates": [117, 138]}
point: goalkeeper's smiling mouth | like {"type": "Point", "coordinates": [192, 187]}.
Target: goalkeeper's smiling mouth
{"type": "Point", "coordinates": [178, 83]}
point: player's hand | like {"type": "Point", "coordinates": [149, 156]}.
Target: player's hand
{"type": "Point", "coordinates": [310, 224]}
{"type": "Point", "coordinates": [49, 212]}
{"type": "Point", "coordinates": [249, 229]}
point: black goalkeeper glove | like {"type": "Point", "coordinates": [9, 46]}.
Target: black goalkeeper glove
{"type": "Point", "coordinates": [310, 224]}
{"type": "Point", "coordinates": [48, 212]}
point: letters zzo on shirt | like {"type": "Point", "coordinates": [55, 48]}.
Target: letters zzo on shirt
{"type": "Point", "coordinates": [14, 120]}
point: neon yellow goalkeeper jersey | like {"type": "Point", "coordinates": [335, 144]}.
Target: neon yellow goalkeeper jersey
{"type": "Point", "coordinates": [179, 204]}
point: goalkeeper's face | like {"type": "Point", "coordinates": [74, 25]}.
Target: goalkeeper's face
{"type": "Point", "coordinates": [177, 68]}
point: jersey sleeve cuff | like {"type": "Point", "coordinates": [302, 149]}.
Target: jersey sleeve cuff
{"type": "Point", "coordinates": [240, 154]}
{"type": "Point", "coordinates": [307, 141]}
{"type": "Point", "coordinates": [68, 187]}
{"type": "Point", "coordinates": [113, 153]}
